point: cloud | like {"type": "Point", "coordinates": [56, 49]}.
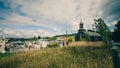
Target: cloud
{"type": "Point", "coordinates": [53, 16]}
{"type": "Point", "coordinates": [17, 18]}
{"type": "Point", "coordinates": [111, 10]}
{"type": "Point", "coordinates": [111, 24]}
{"type": "Point", "coordinates": [25, 33]}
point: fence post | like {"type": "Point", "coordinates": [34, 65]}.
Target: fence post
{"type": "Point", "coordinates": [115, 56]}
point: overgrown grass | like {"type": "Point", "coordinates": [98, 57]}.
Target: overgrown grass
{"type": "Point", "coordinates": [67, 57]}
{"type": "Point", "coordinates": [6, 54]}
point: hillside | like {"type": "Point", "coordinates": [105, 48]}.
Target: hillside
{"type": "Point", "coordinates": [67, 57]}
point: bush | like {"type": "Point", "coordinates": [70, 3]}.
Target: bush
{"type": "Point", "coordinates": [70, 40]}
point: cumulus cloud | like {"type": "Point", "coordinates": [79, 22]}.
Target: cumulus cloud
{"type": "Point", "coordinates": [53, 16]}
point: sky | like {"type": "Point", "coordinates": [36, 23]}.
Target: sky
{"type": "Point", "coordinates": [29, 18]}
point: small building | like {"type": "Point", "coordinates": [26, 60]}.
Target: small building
{"type": "Point", "coordinates": [62, 40]}
{"type": "Point", "coordinates": [82, 33]}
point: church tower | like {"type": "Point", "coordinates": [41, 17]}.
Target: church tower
{"type": "Point", "coordinates": [80, 32]}
{"type": "Point", "coordinates": [81, 27]}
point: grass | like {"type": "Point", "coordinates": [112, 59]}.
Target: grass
{"type": "Point", "coordinates": [67, 57]}
{"type": "Point", "coordinates": [85, 43]}
{"type": "Point", "coordinates": [6, 54]}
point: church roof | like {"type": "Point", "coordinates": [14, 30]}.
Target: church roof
{"type": "Point", "coordinates": [92, 33]}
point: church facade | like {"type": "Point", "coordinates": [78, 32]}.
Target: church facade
{"type": "Point", "coordinates": [82, 33]}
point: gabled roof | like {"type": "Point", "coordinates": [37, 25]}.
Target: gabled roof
{"type": "Point", "coordinates": [92, 33]}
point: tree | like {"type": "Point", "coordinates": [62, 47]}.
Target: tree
{"type": "Point", "coordinates": [117, 32]}
{"type": "Point", "coordinates": [102, 29]}
{"type": "Point", "coordinates": [34, 38]}
{"type": "Point", "coordinates": [39, 37]}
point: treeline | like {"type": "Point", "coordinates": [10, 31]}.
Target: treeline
{"type": "Point", "coordinates": [23, 39]}
{"type": "Point", "coordinates": [19, 39]}
{"type": "Point", "coordinates": [115, 35]}
{"type": "Point", "coordinates": [30, 39]}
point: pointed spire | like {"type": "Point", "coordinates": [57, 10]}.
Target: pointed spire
{"type": "Point", "coordinates": [81, 25]}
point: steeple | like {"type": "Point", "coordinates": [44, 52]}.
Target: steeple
{"type": "Point", "coordinates": [81, 25]}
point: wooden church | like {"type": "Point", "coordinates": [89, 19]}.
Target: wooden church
{"type": "Point", "coordinates": [93, 36]}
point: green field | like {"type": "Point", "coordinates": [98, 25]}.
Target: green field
{"type": "Point", "coordinates": [67, 57]}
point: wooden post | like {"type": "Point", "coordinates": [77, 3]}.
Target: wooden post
{"type": "Point", "coordinates": [115, 56]}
